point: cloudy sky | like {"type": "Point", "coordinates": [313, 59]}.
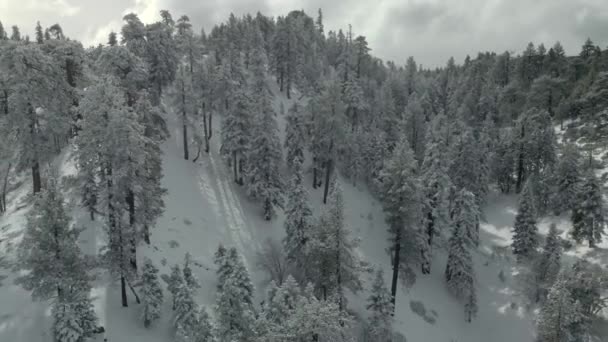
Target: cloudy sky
{"type": "Point", "coordinates": [429, 30]}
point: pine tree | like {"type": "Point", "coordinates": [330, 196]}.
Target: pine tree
{"type": "Point", "coordinates": [264, 156]}
{"type": "Point", "coordinates": [48, 253]}
{"type": "Point", "coordinates": [161, 55]}
{"type": "Point", "coordinates": [295, 135]}
{"type": "Point", "coordinates": [459, 272]}
{"type": "Point", "coordinates": [186, 314]}
{"type": "Point", "coordinates": [236, 138]}
{"type": "Point", "coordinates": [567, 178]}
{"type": "Point", "coordinates": [151, 293]}
{"type": "Point", "coordinates": [298, 221]}
{"type": "Point", "coordinates": [381, 309]}
{"type": "Point", "coordinates": [436, 182]}
{"type": "Point", "coordinates": [548, 265]}
{"type": "Point", "coordinates": [73, 316]}
{"type": "Point", "coordinates": [185, 103]}
{"type": "Point", "coordinates": [112, 40]}
{"type": "Point", "coordinates": [175, 282]}
{"type": "Point", "coordinates": [525, 239]}
{"type": "Point", "coordinates": [558, 314]}
{"type": "Point", "coordinates": [335, 260]}
{"type": "Point", "coordinates": [588, 219]}
{"type": "Point", "coordinates": [401, 197]}
{"type": "Point", "coordinates": [415, 126]}
{"type": "Point", "coordinates": [205, 329]}
{"type": "Point", "coordinates": [189, 277]}
{"type": "Point", "coordinates": [470, 307]}
{"type": "Point", "coordinates": [38, 104]}
{"type": "Point", "coordinates": [466, 215]}
{"type": "Point", "coordinates": [65, 323]}
{"type": "Point", "coordinates": [234, 305]}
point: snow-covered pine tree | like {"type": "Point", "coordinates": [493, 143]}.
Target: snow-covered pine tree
{"type": "Point", "coordinates": [235, 315]}
{"type": "Point", "coordinates": [236, 132]}
{"type": "Point", "coordinates": [466, 171]}
{"type": "Point", "coordinates": [320, 320]}
{"type": "Point", "coordinates": [74, 318]}
{"type": "Point", "coordinates": [189, 277]}
{"type": "Point", "coordinates": [525, 231]}
{"type": "Point", "coordinates": [151, 293]}
{"type": "Point", "coordinates": [205, 331]}
{"type": "Point", "coordinates": [466, 215]}
{"type": "Point", "coordinates": [264, 156]}
{"type": "Point", "coordinates": [278, 310]}
{"type": "Point", "coordinates": [185, 103]}
{"type": "Point", "coordinates": [436, 182]}
{"type": "Point", "coordinates": [548, 265]}
{"type": "Point", "coordinates": [401, 196]}
{"type": "Point", "coordinates": [338, 265]}
{"type": "Point", "coordinates": [37, 95]}
{"type": "Point", "coordinates": [459, 272]}
{"type": "Point", "coordinates": [161, 56]}
{"type": "Point", "coordinates": [174, 282]}
{"type": "Point", "coordinates": [588, 218]}
{"type": "Point", "coordinates": [415, 125]}
{"type": "Point", "coordinates": [295, 135]}
{"type": "Point", "coordinates": [567, 179]}
{"type": "Point", "coordinates": [298, 221]}
{"type": "Point", "coordinates": [470, 306]}
{"type": "Point", "coordinates": [186, 314]}
{"type": "Point", "coordinates": [380, 305]}
{"type": "Point", "coordinates": [48, 254]}
{"type": "Point", "coordinates": [558, 314]}
{"type": "Point", "coordinates": [65, 323]}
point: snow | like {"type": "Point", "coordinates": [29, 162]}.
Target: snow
{"type": "Point", "coordinates": [204, 208]}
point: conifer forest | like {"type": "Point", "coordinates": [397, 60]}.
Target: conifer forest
{"type": "Point", "coordinates": [271, 178]}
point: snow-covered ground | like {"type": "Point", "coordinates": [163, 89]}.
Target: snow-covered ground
{"type": "Point", "coordinates": [204, 208]}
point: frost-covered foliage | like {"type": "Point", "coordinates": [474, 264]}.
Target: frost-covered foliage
{"type": "Point", "coordinates": [525, 230]}
{"type": "Point", "coordinates": [151, 293]}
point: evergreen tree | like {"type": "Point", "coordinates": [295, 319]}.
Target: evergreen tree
{"type": "Point", "coordinates": [185, 103]}
{"type": "Point", "coordinates": [415, 126]}
{"type": "Point", "coordinates": [133, 35]}
{"type": "Point", "coordinates": [265, 156]}
{"type": "Point", "coordinates": [436, 182]}
{"type": "Point", "coordinates": [298, 221]}
{"type": "Point", "coordinates": [48, 254]}
{"type": "Point", "coordinates": [236, 139]}
{"type": "Point", "coordinates": [205, 329]}
{"type": "Point", "coordinates": [66, 327]}
{"type": "Point", "coordinates": [466, 215]}
{"type": "Point", "coordinates": [558, 314]}
{"type": "Point", "coordinates": [459, 272]}
{"type": "Point", "coordinates": [151, 293]}
{"type": "Point", "coordinates": [73, 316]}
{"type": "Point", "coordinates": [335, 260]}
{"type": "Point", "coordinates": [39, 33]}
{"type": "Point", "coordinates": [567, 179]}
{"type": "Point", "coordinates": [470, 307]}
{"type": "Point", "coordinates": [295, 135]}
{"type": "Point", "coordinates": [525, 231]}
{"type": "Point", "coordinates": [174, 282]}
{"type": "Point", "coordinates": [186, 314]}
{"type": "Point", "coordinates": [588, 219]}
{"type": "Point", "coordinates": [381, 309]}
{"type": "Point", "coordinates": [189, 277]}
{"type": "Point", "coordinates": [112, 40]}
{"type": "Point", "coordinates": [401, 197]}
{"type": "Point", "coordinates": [37, 98]}
{"type": "Point", "coordinates": [548, 265]}
{"type": "Point", "coordinates": [234, 305]}
{"type": "Point", "coordinates": [161, 55]}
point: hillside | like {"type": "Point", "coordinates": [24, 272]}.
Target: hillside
{"type": "Point", "coordinates": [204, 208]}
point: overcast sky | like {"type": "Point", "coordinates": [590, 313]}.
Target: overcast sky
{"type": "Point", "coordinates": [429, 30]}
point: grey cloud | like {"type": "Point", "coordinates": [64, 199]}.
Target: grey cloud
{"type": "Point", "coordinates": [429, 30]}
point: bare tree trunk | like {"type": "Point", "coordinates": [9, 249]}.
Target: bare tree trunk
{"type": "Point", "coordinates": [123, 291]}
{"type": "Point", "coordinates": [205, 131]}
{"type": "Point", "coordinates": [520, 162]}
{"type": "Point", "coordinates": [8, 169]}
{"type": "Point", "coordinates": [396, 261]}
{"type": "Point", "coordinates": [235, 167]}
{"type": "Point", "coordinates": [328, 170]}
{"type": "Point", "coordinates": [36, 177]}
